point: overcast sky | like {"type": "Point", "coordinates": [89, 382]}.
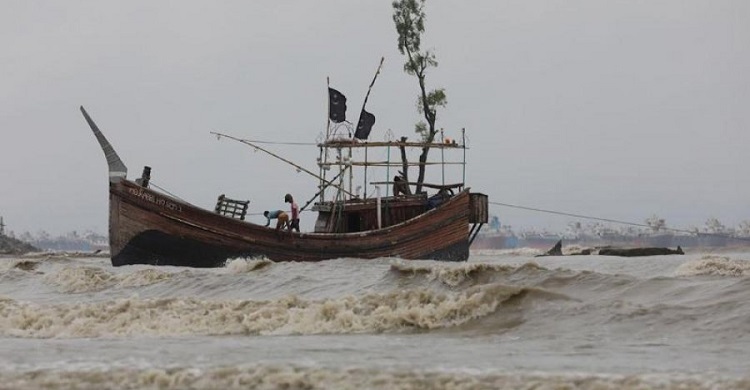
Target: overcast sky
{"type": "Point", "coordinates": [616, 109]}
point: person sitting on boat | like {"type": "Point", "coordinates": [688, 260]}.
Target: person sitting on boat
{"type": "Point", "coordinates": [437, 199]}
{"type": "Point", "coordinates": [294, 224]}
{"type": "Point", "coordinates": [281, 217]}
{"type": "Point", "coordinates": [399, 186]}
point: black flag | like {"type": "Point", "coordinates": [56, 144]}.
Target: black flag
{"type": "Point", "coordinates": [366, 120]}
{"type": "Point", "coordinates": [336, 105]}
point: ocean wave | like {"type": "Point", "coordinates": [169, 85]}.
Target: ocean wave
{"type": "Point", "coordinates": [81, 279]}
{"type": "Point", "coordinates": [525, 252]}
{"type": "Point", "coordinates": [242, 265]}
{"type": "Point", "coordinates": [19, 264]}
{"type": "Point", "coordinates": [143, 277]}
{"type": "Point", "coordinates": [713, 265]}
{"type": "Point", "coordinates": [278, 376]}
{"type": "Point", "coordinates": [402, 310]}
{"type": "Point", "coordinates": [458, 275]}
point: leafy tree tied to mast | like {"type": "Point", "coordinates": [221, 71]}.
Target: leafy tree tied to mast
{"type": "Point", "coordinates": [408, 15]}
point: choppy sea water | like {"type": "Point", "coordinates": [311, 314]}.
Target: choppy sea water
{"type": "Point", "coordinates": [502, 320]}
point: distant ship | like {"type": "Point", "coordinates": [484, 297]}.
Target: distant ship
{"type": "Point", "coordinates": [496, 236]}
{"type": "Point", "coordinates": [713, 234]}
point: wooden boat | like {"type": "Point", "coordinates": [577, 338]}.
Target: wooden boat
{"type": "Point", "coordinates": [150, 227]}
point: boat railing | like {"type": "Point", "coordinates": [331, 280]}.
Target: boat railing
{"type": "Point", "coordinates": [231, 207]}
{"type": "Point", "coordinates": [354, 143]}
{"type": "Point", "coordinates": [440, 187]}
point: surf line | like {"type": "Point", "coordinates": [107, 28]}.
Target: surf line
{"type": "Point", "coordinates": [515, 206]}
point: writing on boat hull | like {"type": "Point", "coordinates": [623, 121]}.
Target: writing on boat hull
{"type": "Point", "coordinates": [149, 197]}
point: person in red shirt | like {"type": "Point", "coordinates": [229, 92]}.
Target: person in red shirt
{"type": "Point", "coordinates": [294, 223]}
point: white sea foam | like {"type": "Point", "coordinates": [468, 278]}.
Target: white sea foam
{"type": "Point", "coordinates": [399, 310]}
{"type": "Point", "coordinates": [295, 377]}
{"type": "Point", "coordinates": [715, 266]}
{"type": "Point", "coordinates": [143, 277]}
{"type": "Point", "coordinates": [242, 265]}
{"type": "Point", "coordinates": [628, 315]}
{"type": "Point", "coordinates": [19, 264]}
{"type": "Point", "coordinates": [453, 275]}
{"type": "Point", "coordinates": [80, 278]}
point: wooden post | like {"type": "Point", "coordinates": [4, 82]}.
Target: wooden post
{"type": "Point", "coordinates": [324, 155]}
{"type": "Point", "coordinates": [463, 144]}
{"type": "Point", "coordinates": [145, 176]}
{"type": "Point", "coordinates": [388, 172]}
{"type": "Point", "coordinates": [405, 165]}
{"type": "Point", "coordinates": [364, 182]}
{"type": "Point", "coordinates": [351, 173]}
{"type": "Point", "coordinates": [442, 154]}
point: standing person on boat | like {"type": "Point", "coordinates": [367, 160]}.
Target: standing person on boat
{"type": "Point", "coordinates": [281, 217]}
{"type": "Point", "coordinates": [294, 224]}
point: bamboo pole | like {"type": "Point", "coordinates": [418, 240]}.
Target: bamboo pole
{"type": "Point", "coordinates": [364, 183]}
{"type": "Point", "coordinates": [300, 168]}
{"type": "Point", "coordinates": [442, 155]}
{"type": "Point", "coordinates": [463, 142]}
{"type": "Point", "coordinates": [324, 155]}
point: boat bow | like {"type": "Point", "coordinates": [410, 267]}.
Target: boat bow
{"type": "Point", "coordinates": [117, 169]}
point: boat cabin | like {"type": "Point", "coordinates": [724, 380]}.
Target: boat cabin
{"type": "Point", "coordinates": [349, 213]}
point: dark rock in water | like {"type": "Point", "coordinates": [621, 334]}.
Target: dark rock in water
{"type": "Point", "coordinates": [611, 251]}
{"type": "Point", "coordinates": [12, 246]}
{"type": "Point", "coordinates": [26, 265]}
{"type": "Point", "coordinates": [555, 251]}
{"type": "Point", "coordinates": [635, 252]}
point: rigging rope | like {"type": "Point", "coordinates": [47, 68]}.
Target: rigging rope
{"type": "Point", "coordinates": [282, 143]}
{"type": "Point", "coordinates": [165, 191]}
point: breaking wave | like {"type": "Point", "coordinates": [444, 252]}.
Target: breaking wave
{"type": "Point", "coordinates": [403, 310]}
{"type": "Point", "coordinates": [714, 266]}
{"type": "Point", "coordinates": [297, 377]}
{"type": "Point", "coordinates": [241, 265]}
{"type": "Point", "coordinates": [19, 264]}
{"type": "Point", "coordinates": [462, 274]}
{"type": "Point", "coordinates": [80, 279]}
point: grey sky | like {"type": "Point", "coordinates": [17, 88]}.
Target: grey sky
{"type": "Point", "coordinates": [617, 109]}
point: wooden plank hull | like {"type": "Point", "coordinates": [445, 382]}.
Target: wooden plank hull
{"type": "Point", "coordinates": [147, 227]}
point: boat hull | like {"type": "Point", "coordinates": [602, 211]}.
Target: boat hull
{"type": "Point", "coordinates": [147, 227]}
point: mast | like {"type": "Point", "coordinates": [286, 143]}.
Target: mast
{"type": "Point", "coordinates": [463, 145]}
{"type": "Point", "coordinates": [324, 154]}
{"type": "Point", "coordinates": [362, 111]}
